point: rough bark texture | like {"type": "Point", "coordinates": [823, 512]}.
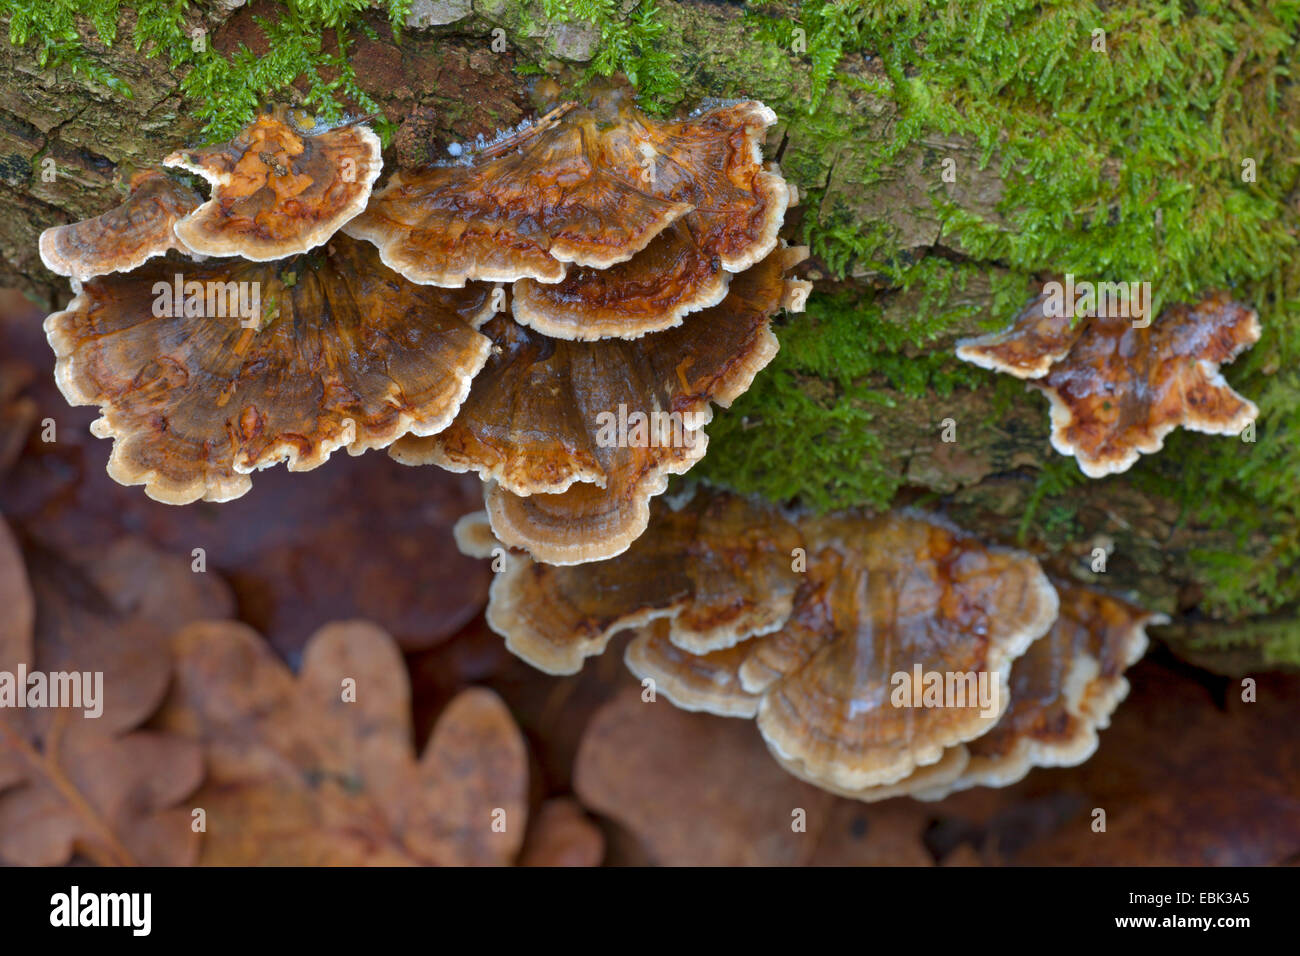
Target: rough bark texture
{"type": "Point", "coordinates": [444, 82]}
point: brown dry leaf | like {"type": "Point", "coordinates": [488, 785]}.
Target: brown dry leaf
{"type": "Point", "coordinates": [700, 790]}
{"type": "Point", "coordinates": [71, 784]}
{"type": "Point", "coordinates": [697, 790]}
{"type": "Point", "coordinates": [17, 411]}
{"type": "Point", "coordinates": [890, 834]}
{"type": "Point", "coordinates": [301, 550]}
{"type": "Point", "coordinates": [1183, 782]}
{"type": "Point", "coordinates": [561, 834]}
{"type": "Point", "coordinates": [299, 775]}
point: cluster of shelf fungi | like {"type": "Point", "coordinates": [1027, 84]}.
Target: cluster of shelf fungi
{"type": "Point", "coordinates": [483, 314]}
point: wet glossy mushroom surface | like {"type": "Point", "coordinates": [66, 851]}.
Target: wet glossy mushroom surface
{"type": "Point", "coordinates": [577, 437]}
{"type": "Point", "coordinates": [205, 372]}
{"type": "Point", "coordinates": [1118, 385]}
{"type": "Point", "coordinates": [836, 627]}
{"type": "Point", "coordinates": [278, 190]}
{"type": "Point", "coordinates": [1121, 389]}
{"type": "Point", "coordinates": [587, 185]}
{"type": "Point", "coordinates": [126, 236]}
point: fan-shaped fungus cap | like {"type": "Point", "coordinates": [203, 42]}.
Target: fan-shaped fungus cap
{"type": "Point", "coordinates": [126, 236]}
{"type": "Point", "coordinates": [650, 292]}
{"type": "Point", "coordinates": [206, 372]}
{"type": "Point", "coordinates": [1122, 389]}
{"type": "Point", "coordinates": [850, 692]}
{"type": "Point", "coordinates": [577, 437]}
{"type": "Point", "coordinates": [843, 687]}
{"type": "Point", "coordinates": [1030, 345]}
{"type": "Point", "coordinates": [276, 190]}
{"type": "Point", "coordinates": [683, 569]}
{"type": "Point", "coordinates": [922, 783]}
{"type": "Point", "coordinates": [590, 185]}
{"type": "Point", "coordinates": [708, 682]}
{"type": "Point", "coordinates": [1063, 690]}
{"type": "Point", "coordinates": [896, 610]}
{"type": "Point", "coordinates": [678, 273]}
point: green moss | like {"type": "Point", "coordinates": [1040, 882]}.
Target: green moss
{"type": "Point", "coordinates": [843, 366]}
{"type": "Point", "coordinates": [1276, 639]}
{"type": "Point", "coordinates": [225, 91]}
{"type": "Point", "coordinates": [633, 46]}
{"type": "Point", "coordinates": [1123, 164]}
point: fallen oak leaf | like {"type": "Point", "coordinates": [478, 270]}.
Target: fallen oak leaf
{"type": "Point", "coordinates": [76, 784]}
{"type": "Point", "coordinates": [696, 790]}
{"type": "Point", "coordinates": [320, 769]}
{"type": "Point", "coordinates": [561, 834]}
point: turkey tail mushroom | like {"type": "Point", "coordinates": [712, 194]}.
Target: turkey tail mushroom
{"type": "Point", "coordinates": [575, 438]}
{"type": "Point", "coordinates": [555, 616]}
{"type": "Point", "coordinates": [200, 384]}
{"type": "Point", "coordinates": [1117, 387]}
{"type": "Point", "coordinates": [277, 190]}
{"type": "Point", "coordinates": [589, 185]}
{"type": "Point", "coordinates": [836, 628]}
{"type": "Point", "coordinates": [125, 237]}
{"type": "Point", "coordinates": [1063, 691]}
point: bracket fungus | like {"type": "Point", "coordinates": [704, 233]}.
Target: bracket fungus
{"type": "Point", "coordinates": [821, 653]}
{"type": "Point", "coordinates": [554, 616]}
{"type": "Point", "coordinates": [126, 236]}
{"type": "Point", "coordinates": [588, 184]}
{"type": "Point", "coordinates": [1063, 690]}
{"type": "Point", "coordinates": [277, 190]}
{"type": "Point", "coordinates": [1029, 346]}
{"type": "Point", "coordinates": [571, 470]}
{"type": "Point", "coordinates": [575, 423]}
{"type": "Point", "coordinates": [1117, 387]}
{"type": "Point", "coordinates": [333, 350]}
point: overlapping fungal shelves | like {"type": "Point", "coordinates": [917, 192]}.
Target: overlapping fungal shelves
{"type": "Point", "coordinates": [561, 312]}
{"type": "Point", "coordinates": [644, 269]}
{"type": "Point", "coordinates": [1118, 383]}
{"type": "Point", "coordinates": [878, 654]}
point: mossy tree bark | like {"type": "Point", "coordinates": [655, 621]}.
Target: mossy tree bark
{"type": "Point", "coordinates": [66, 147]}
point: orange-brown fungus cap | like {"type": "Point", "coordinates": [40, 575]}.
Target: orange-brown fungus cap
{"type": "Point", "coordinates": [206, 372]}
{"type": "Point", "coordinates": [1063, 690]}
{"type": "Point", "coordinates": [842, 674]}
{"type": "Point", "coordinates": [897, 611]}
{"type": "Point", "coordinates": [1029, 346]}
{"type": "Point", "coordinates": [277, 190]}
{"type": "Point", "coordinates": [577, 437]}
{"type": "Point", "coordinates": [1122, 389]}
{"type": "Point", "coordinates": [124, 237]}
{"type": "Point", "coordinates": [683, 569]}
{"type": "Point", "coordinates": [681, 271]}
{"type": "Point", "coordinates": [650, 292]}
{"type": "Point", "coordinates": [587, 184]}
{"type": "Point", "coordinates": [708, 682]}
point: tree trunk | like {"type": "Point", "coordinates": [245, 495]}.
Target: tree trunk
{"type": "Point", "coordinates": [446, 80]}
